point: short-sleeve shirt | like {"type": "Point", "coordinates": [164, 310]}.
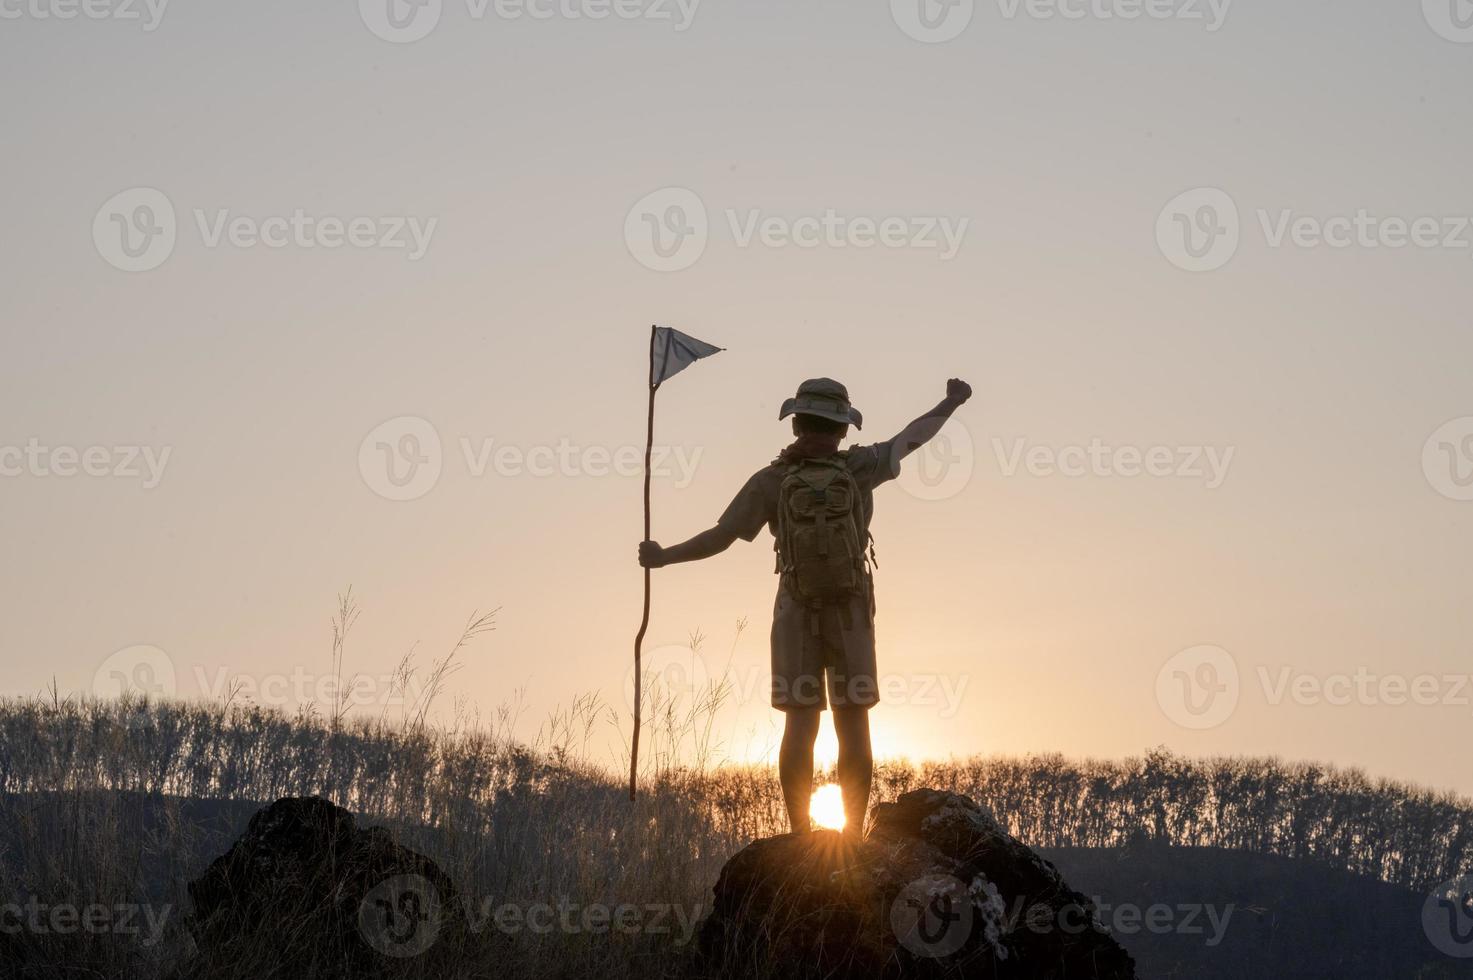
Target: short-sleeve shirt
{"type": "Point", "coordinates": [755, 504]}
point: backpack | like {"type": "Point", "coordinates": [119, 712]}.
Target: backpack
{"type": "Point", "coordinates": [820, 531]}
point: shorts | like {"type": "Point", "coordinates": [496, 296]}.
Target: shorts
{"type": "Point", "coordinates": [834, 666]}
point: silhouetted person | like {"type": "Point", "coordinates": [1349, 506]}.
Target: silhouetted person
{"type": "Point", "coordinates": [818, 500]}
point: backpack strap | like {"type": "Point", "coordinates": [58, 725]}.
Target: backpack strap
{"type": "Point", "coordinates": [782, 522]}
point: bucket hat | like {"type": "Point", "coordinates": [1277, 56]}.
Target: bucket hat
{"type": "Point", "coordinates": [825, 398]}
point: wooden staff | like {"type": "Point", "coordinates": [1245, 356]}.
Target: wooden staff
{"type": "Point", "coordinates": [644, 619]}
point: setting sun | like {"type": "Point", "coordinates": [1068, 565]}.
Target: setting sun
{"type": "Point", "coordinates": [827, 807]}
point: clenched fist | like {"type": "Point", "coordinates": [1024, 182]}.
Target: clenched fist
{"type": "Point", "coordinates": [958, 391]}
{"type": "Point", "coordinates": [651, 555]}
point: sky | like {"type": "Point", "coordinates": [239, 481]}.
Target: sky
{"type": "Point", "coordinates": [308, 296]}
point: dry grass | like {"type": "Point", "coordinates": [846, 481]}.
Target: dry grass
{"type": "Point", "coordinates": [121, 803]}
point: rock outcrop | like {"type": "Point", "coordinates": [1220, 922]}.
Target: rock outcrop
{"type": "Point", "coordinates": [307, 892]}
{"type": "Point", "coordinates": [937, 889]}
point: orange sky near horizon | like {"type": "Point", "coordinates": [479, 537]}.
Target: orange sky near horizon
{"type": "Point", "coordinates": [296, 302]}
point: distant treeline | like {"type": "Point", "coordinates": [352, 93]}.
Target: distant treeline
{"type": "Point", "coordinates": [1382, 828]}
{"type": "Point", "coordinates": [1385, 829]}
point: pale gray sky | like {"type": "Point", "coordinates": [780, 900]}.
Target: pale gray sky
{"type": "Point", "coordinates": [1065, 158]}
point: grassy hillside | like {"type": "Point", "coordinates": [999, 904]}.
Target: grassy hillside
{"type": "Point", "coordinates": [1203, 913]}
{"type": "Point", "coordinates": [120, 804]}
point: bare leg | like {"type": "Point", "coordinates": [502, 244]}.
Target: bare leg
{"type": "Point", "coordinates": [856, 764]}
{"type": "Point", "coordinates": [795, 764]}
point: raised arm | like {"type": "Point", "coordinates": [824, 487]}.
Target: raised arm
{"type": "Point", "coordinates": [924, 429]}
{"type": "Point", "coordinates": [703, 545]}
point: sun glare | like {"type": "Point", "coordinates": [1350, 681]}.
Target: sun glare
{"type": "Point", "coordinates": [827, 807]}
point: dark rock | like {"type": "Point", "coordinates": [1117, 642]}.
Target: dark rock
{"type": "Point", "coordinates": [937, 889]}
{"type": "Point", "coordinates": [307, 892]}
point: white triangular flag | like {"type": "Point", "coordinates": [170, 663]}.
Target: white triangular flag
{"type": "Point", "coordinates": [673, 351]}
